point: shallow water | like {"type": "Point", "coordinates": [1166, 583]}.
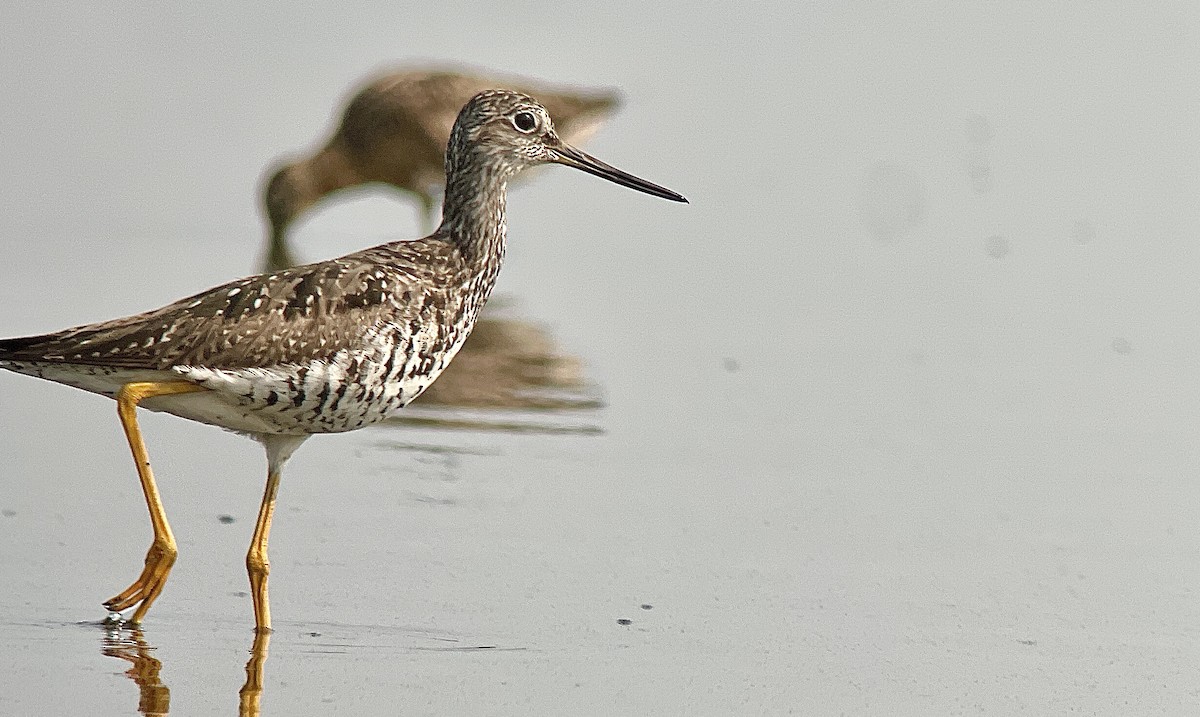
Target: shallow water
{"type": "Point", "coordinates": [897, 417]}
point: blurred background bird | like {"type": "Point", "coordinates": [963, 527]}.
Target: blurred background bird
{"type": "Point", "coordinates": [394, 131]}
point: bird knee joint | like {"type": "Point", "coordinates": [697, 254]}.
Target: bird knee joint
{"type": "Point", "coordinates": [258, 564]}
{"type": "Point", "coordinates": [164, 549]}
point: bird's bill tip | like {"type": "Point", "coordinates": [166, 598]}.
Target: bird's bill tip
{"type": "Point", "coordinates": [569, 156]}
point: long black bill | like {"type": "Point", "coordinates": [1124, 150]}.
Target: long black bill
{"type": "Point", "coordinates": [571, 157]}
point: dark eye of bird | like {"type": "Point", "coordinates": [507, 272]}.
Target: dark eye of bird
{"type": "Point", "coordinates": [524, 121]}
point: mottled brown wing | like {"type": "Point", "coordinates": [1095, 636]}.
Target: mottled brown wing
{"type": "Point", "coordinates": [292, 316]}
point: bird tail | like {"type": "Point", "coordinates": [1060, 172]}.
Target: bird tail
{"type": "Point", "coordinates": [15, 348]}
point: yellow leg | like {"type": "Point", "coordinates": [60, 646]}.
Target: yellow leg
{"type": "Point", "coordinates": [257, 563]}
{"type": "Point", "coordinates": [161, 556]}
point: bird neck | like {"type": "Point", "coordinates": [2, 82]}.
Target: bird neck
{"type": "Point", "coordinates": [297, 186]}
{"type": "Point", "coordinates": [473, 214]}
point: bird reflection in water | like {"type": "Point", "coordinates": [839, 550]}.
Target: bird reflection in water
{"type": "Point", "coordinates": [512, 366]}
{"type": "Point", "coordinates": [250, 695]}
{"type": "Point", "coordinates": [128, 642]}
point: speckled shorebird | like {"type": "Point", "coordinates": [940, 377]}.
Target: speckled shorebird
{"type": "Point", "coordinates": [322, 348]}
{"type": "Point", "coordinates": [395, 130]}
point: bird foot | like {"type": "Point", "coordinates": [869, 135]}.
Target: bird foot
{"type": "Point", "coordinates": [149, 585]}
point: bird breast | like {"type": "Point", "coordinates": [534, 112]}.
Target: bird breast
{"type": "Point", "coordinates": [353, 388]}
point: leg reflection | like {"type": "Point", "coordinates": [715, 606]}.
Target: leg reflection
{"type": "Point", "coordinates": [251, 692]}
{"type": "Point", "coordinates": [128, 643]}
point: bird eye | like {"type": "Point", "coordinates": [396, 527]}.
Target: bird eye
{"type": "Point", "coordinates": [524, 121]}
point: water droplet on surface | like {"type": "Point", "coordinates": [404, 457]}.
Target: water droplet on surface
{"type": "Point", "coordinates": [977, 128]}
{"type": "Point", "coordinates": [892, 201]}
{"type": "Point", "coordinates": [1083, 232]}
{"type": "Point", "coordinates": [979, 172]}
{"type": "Point", "coordinates": [996, 247]}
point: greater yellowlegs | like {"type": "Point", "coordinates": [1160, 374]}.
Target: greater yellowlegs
{"type": "Point", "coordinates": [323, 348]}
{"type": "Point", "coordinates": [395, 130]}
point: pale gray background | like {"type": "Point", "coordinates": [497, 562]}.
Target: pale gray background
{"type": "Point", "coordinates": [949, 249]}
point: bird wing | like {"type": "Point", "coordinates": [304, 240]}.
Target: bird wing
{"type": "Point", "coordinates": [289, 317]}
